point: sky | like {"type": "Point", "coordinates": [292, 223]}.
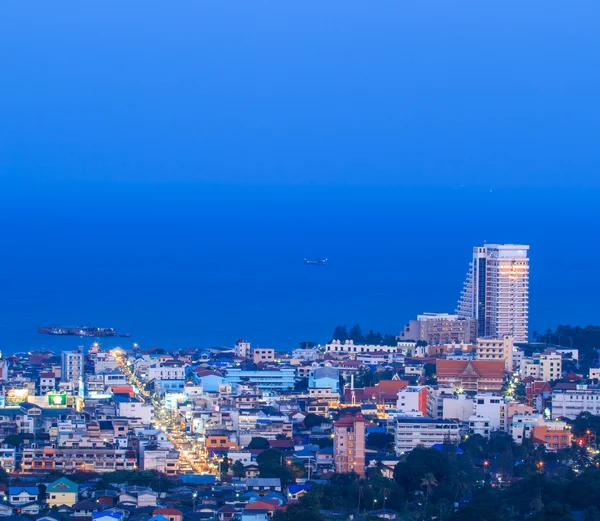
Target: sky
{"type": "Point", "coordinates": [423, 125]}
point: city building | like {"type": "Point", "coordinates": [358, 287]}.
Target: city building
{"type": "Point", "coordinates": [349, 444]}
{"type": "Point", "coordinates": [263, 355]}
{"type": "Point", "coordinates": [545, 366]}
{"type": "Point", "coordinates": [267, 380]}
{"type": "Point", "coordinates": [412, 401]}
{"type": "Point", "coordinates": [496, 292]}
{"type": "Point", "coordinates": [553, 436]}
{"type": "Point", "coordinates": [496, 349]}
{"type": "Point", "coordinates": [440, 328]}
{"type": "Point", "coordinates": [570, 403]}
{"type": "Point", "coordinates": [324, 378]}
{"type": "Point", "coordinates": [71, 366]}
{"type": "Point", "coordinates": [412, 432]}
{"type": "Point", "coordinates": [242, 348]}
{"type": "Point", "coordinates": [471, 376]}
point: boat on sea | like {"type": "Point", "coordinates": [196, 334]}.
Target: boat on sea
{"type": "Point", "coordinates": [87, 331]}
{"type": "Point", "coordinates": [124, 335]}
{"type": "Point", "coordinates": [316, 262]}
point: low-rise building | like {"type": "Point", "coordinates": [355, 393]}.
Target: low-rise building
{"type": "Point", "coordinates": [412, 432]}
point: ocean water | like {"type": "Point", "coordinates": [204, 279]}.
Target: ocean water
{"type": "Point", "coordinates": [203, 265]}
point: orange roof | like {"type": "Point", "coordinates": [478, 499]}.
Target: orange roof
{"type": "Point", "coordinates": [481, 368]}
{"type": "Point", "coordinates": [167, 511]}
{"type": "Point", "coordinates": [261, 505]}
{"type": "Point", "coordinates": [122, 389]}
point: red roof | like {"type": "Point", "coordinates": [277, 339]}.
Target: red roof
{"type": "Point", "coordinates": [281, 444]}
{"type": "Point", "coordinates": [264, 504]}
{"type": "Point", "coordinates": [481, 368]}
{"type": "Point", "coordinates": [167, 511]}
{"type": "Point", "coordinates": [47, 375]}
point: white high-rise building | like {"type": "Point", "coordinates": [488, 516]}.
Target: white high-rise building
{"type": "Point", "coordinates": [71, 366]}
{"type": "Point", "coordinates": [496, 291]}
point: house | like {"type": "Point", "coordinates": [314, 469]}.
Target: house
{"type": "Point", "coordinates": [226, 513]}
{"type": "Point", "coordinates": [105, 497]}
{"type": "Point", "coordinates": [62, 492]}
{"type": "Point", "coordinates": [108, 515]}
{"type": "Point", "coordinates": [22, 495]}
{"type": "Point", "coordinates": [158, 517]}
{"type": "Point", "coordinates": [85, 508]}
{"type": "Point", "coordinates": [139, 496]}
{"type": "Point", "coordinates": [30, 509]}
{"type": "Point", "coordinates": [6, 510]}
{"type": "Point", "coordinates": [263, 485]}
{"type": "Point", "coordinates": [295, 491]}
{"type": "Point", "coordinates": [254, 515]}
{"type": "Point", "coordinates": [172, 514]}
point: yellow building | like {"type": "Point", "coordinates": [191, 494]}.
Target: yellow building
{"type": "Point", "coordinates": [62, 492]}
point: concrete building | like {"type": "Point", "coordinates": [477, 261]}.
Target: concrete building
{"type": "Point", "coordinates": [336, 347]}
{"type": "Point", "coordinates": [71, 366]}
{"type": "Point", "coordinates": [263, 355]}
{"type": "Point", "coordinates": [412, 432]}
{"type": "Point", "coordinates": [272, 380]}
{"type": "Point", "coordinates": [349, 444]}
{"type": "Point", "coordinates": [496, 292]}
{"type": "Point", "coordinates": [496, 349]}
{"type": "Point", "coordinates": [324, 378]}
{"type": "Point", "coordinates": [545, 366]}
{"type": "Point", "coordinates": [242, 348]}
{"type": "Point", "coordinates": [471, 376]}
{"type": "Point", "coordinates": [460, 408]}
{"type": "Point", "coordinates": [568, 404]}
{"type": "Point", "coordinates": [440, 328]}
{"type": "Point", "coordinates": [412, 401]}
{"type": "Point", "coordinates": [490, 414]}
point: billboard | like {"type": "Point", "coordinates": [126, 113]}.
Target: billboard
{"type": "Point", "coordinates": [57, 399]}
{"type": "Point", "coordinates": [16, 396]}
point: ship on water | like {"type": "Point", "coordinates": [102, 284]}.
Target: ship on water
{"type": "Point", "coordinates": [316, 262]}
{"type": "Point", "coordinates": [88, 331]}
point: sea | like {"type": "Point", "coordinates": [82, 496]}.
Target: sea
{"type": "Point", "coordinates": [198, 266]}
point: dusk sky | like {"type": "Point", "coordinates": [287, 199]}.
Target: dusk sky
{"type": "Point", "coordinates": [373, 133]}
{"type": "Point", "coordinates": [490, 94]}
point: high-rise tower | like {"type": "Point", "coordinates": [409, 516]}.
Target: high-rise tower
{"type": "Point", "coordinates": [496, 291]}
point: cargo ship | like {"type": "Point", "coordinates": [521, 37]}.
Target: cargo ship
{"type": "Point", "coordinates": [78, 331]}
{"type": "Point", "coordinates": [315, 262]}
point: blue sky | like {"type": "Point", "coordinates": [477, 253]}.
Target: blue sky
{"type": "Point", "coordinates": [488, 94]}
{"type": "Point", "coordinates": [165, 166]}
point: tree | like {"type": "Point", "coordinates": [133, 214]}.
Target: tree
{"type": "Point", "coordinates": [428, 482]}
{"type": "Point", "coordinates": [380, 440]}
{"type": "Point", "coordinates": [259, 443]}
{"type": "Point", "coordinates": [313, 420]}
{"type": "Point", "coordinates": [356, 335]}
{"type": "Point", "coordinates": [238, 470]}
{"type": "Point", "coordinates": [14, 439]}
{"type": "Point", "coordinates": [340, 333]}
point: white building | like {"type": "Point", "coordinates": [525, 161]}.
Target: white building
{"type": "Point", "coordinates": [543, 366]}
{"type": "Point", "coordinates": [167, 371]}
{"type": "Point", "coordinates": [71, 366]}
{"type": "Point", "coordinates": [496, 349]}
{"type": "Point", "coordinates": [568, 404]}
{"type": "Point", "coordinates": [135, 409]}
{"type": "Point", "coordinates": [522, 426]}
{"type": "Point", "coordinates": [460, 408]}
{"type": "Point", "coordinates": [242, 348]}
{"type": "Point", "coordinates": [493, 407]}
{"type": "Point", "coordinates": [412, 432]}
{"type": "Point", "coordinates": [496, 291]}
{"type": "Point", "coordinates": [594, 373]}
{"type": "Point", "coordinates": [350, 348]}
{"type": "Point", "coordinates": [412, 401]}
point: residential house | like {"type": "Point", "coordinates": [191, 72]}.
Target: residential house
{"type": "Point", "coordinates": [62, 492]}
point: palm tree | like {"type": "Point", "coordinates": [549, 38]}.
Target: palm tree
{"type": "Point", "coordinates": [428, 482]}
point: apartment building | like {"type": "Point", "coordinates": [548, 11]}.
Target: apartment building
{"type": "Point", "coordinates": [413, 401]}
{"type": "Point", "coordinates": [496, 349]}
{"type": "Point", "coordinates": [263, 355]}
{"type": "Point", "coordinates": [570, 403]}
{"type": "Point", "coordinates": [349, 444]}
{"type": "Point", "coordinates": [440, 328]}
{"type": "Point", "coordinates": [409, 433]}
{"type": "Point", "coordinates": [71, 366]}
{"type": "Point", "coordinates": [496, 291]}
{"type": "Point", "coordinates": [545, 366]}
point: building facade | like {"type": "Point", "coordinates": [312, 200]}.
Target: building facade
{"type": "Point", "coordinates": [349, 444]}
{"type": "Point", "coordinates": [496, 349]}
{"type": "Point", "coordinates": [496, 292]}
{"type": "Point", "coordinates": [440, 328]}
{"type": "Point", "coordinates": [71, 366]}
{"type": "Point", "coordinates": [409, 433]}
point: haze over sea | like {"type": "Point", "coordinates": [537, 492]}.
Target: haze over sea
{"type": "Point", "coordinates": [166, 167]}
{"type": "Point", "coordinates": [177, 271]}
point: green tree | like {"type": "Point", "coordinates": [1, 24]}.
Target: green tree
{"type": "Point", "coordinates": [238, 470]}
{"type": "Point", "coordinates": [380, 440]}
{"type": "Point", "coordinates": [259, 443]}
{"type": "Point", "coordinates": [14, 439]}
{"type": "Point", "coordinates": [340, 333]}
{"type": "Point", "coordinates": [313, 420]}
